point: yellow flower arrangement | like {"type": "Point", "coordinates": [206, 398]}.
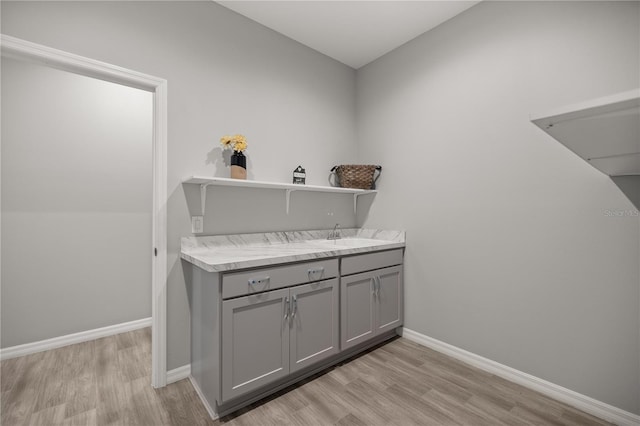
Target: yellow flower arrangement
{"type": "Point", "coordinates": [235, 142]}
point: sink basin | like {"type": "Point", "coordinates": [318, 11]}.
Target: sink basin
{"type": "Point", "coordinates": [349, 242]}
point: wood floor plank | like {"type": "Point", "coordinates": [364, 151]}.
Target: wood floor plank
{"type": "Point", "coordinates": [107, 382]}
{"type": "Point", "coordinates": [82, 419]}
{"type": "Point", "coordinates": [292, 400]}
{"type": "Point", "coordinates": [351, 420]}
{"type": "Point", "coordinates": [496, 413]}
{"type": "Point", "coordinates": [452, 390]}
{"type": "Point", "coordinates": [76, 360]}
{"type": "Point", "coordinates": [81, 393]}
{"type": "Point", "coordinates": [366, 406]}
{"type": "Point", "coordinates": [406, 373]}
{"type": "Point", "coordinates": [535, 417]}
{"type": "Point", "coordinates": [574, 417]}
{"type": "Point", "coordinates": [144, 405]}
{"type": "Point", "coordinates": [50, 416]}
{"type": "Point", "coordinates": [478, 388]}
{"type": "Point", "coordinates": [421, 409]}
{"type": "Point", "coordinates": [275, 412]}
{"type": "Point", "coordinates": [11, 372]}
{"type": "Point", "coordinates": [250, 416]}
{"type": "Point", "coordinates": [452, 407]}
{"type": "Point", "coordinates": [196, 413]}
{"type": "Point", "coordinates": [106, 356]}
{"type": "Point", "coordinates": [111, 394]}
{"type": "Point", "coordinates": [18, 401]}
{"type": "Point", "coordinates": [51, 393]}
{"type": "Point", "coordinates": [125, 340]}
{"type": "Point", "coordinates": [171, 396]}
{"type": "Point", "coordinates": [17, 407]}
{"type": "Point", "coordinates": [328, 410]}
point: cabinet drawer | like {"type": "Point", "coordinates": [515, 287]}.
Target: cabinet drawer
{"type": "Point", "coordinates": [370, 261]}
{"type": "Point", "coordinates": [259, 280]}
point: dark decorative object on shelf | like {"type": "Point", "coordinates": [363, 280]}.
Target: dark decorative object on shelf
{"type": "Point", "coordinates": [237, 143]}
{"type": "Point", "coordinates": [238, 165]}
{"type": "Point", "coordinates": [299, 176]}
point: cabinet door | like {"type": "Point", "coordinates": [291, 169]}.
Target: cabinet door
{"type": "Point", "coordinates": [313, 323]}
{"type": "Point", "coordinates": [357, 310]}
{"type": "Point", "coordinates": [255, 342]}
{"type": "Point", "coordinates": [389, 303]}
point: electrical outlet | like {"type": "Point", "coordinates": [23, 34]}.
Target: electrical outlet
{"type": "Point", "coordinates": [197, 224]}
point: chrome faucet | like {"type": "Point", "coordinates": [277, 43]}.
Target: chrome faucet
{"type": "Point", "coordinates": [335, 234]}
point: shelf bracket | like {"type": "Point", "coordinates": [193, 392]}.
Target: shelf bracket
{"type": "Point", "coordinates": [288, 198]}
{"type": "Point", "coordinates": [355, 200]}
{"type": "Point", "coordinates": [203, 196]}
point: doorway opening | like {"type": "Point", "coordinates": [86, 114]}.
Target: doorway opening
{"type": "Point", "coordinates": [15, 48]}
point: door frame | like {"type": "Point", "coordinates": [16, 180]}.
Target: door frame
{"type": "Point", "coordinates": [16, 48]}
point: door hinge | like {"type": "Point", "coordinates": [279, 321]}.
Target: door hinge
{"type": "Point", "coordinates": [155, 252]}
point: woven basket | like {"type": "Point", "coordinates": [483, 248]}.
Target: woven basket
{"type": "Point", "coordinates": [356, 176]}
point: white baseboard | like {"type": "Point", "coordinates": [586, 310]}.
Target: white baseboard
{"type": "Point", "coordinates": [210, 410]}
{"type": "Point", "coordinates": [70, 339]}
{"type": "Point", "coordinates": [575, 399]}
{"type": "Point", "coordinates": [178, 374]}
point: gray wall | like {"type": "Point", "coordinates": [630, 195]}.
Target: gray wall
{"type": "Point", "coordinates": [76, 203]}
{"type": "Point", "coordinates": [226, 74]}
{"type": "Point", "coordinates": [510, 252]}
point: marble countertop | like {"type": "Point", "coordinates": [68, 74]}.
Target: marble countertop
{"type": "Point", "coordinates": [220, 253]}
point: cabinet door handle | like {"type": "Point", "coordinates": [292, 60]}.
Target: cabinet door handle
{"type": "Point", "coordinates": [373, 286]}
{"type": "Point", "coordinates": [315, 271]}
{"type": "Point", "coordinates": [294, 303]}
{"type": "Point", "coordinates": [286, 308]}
{"type": "Point", "coordinates": [377, 278]}
{"type": "Point", "coordinates": [263, 280]}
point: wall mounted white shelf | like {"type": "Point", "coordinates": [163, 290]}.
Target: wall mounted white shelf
{"type": "Point", "coordinates": [205, 182]}
{"type": "Point", "coordinates": [604, 131]}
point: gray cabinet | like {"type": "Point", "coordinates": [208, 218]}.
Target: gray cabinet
{"type": "Point", "coordinates": [371, 302]}
{"type": "Point", "coordinates": [388, 299]}
{"type": "Point", "coordinates": [255, 342]}
{"type": "Point", "coordinates": [256, 330]}
{"type": "Point", "coordinates": [314, 326]}
{"type": "Point", "coordinates": [269, 335]}
{"type": "Point", "coordinates": [357, 310]}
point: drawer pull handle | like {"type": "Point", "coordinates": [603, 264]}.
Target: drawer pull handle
{"type": "Point", "coordinates": [294, 308]}
{"type": "Point", "coordinates": [254, 281]}
{"type": "Point", "coordinates": [315, 273]}
{"type": "Point", "coordinates": [375, 282]}
{"type": "Point", "coordinates": [286, 308]}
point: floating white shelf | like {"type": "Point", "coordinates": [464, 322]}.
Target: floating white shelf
{"type": "Point", "coordinates": [604, 131]}
{"type": "Point", "coordinates": [205, 182]}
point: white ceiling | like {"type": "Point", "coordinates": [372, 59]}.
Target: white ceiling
{"type": "Point", "coordinates": [352, 32]}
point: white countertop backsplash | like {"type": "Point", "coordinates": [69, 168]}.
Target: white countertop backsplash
{"type": "Point", "coordinates": [218, 253]}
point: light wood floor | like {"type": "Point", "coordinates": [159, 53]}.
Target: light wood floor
{"type": "Point", "coordinates": [107, 382]}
